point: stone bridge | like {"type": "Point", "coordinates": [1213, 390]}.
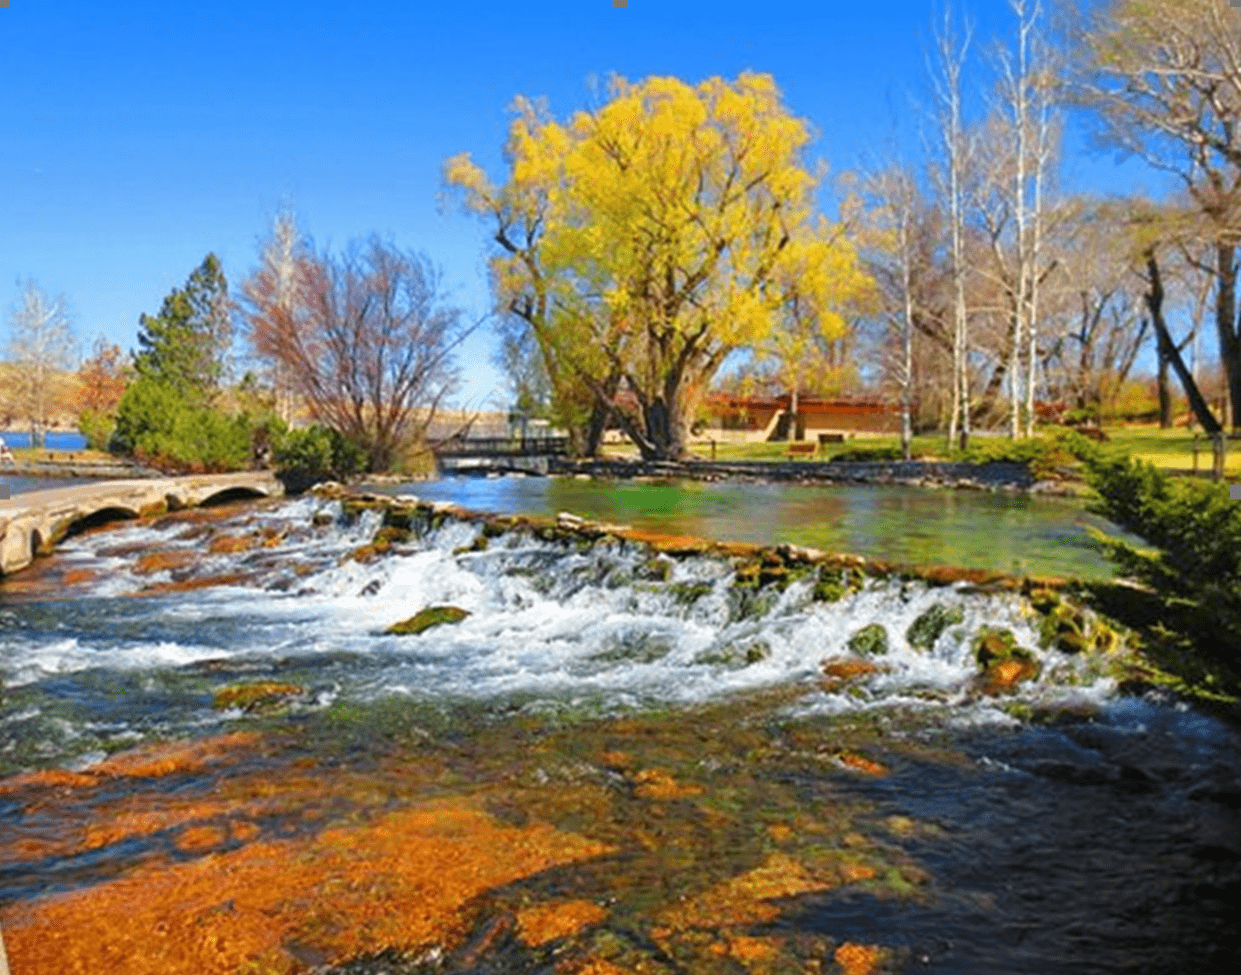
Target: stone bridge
{"type": "Point", "coordinates": [31, 524]}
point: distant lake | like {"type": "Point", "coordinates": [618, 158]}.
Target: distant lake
{"type": "Point", "coordinates": [54, 439]}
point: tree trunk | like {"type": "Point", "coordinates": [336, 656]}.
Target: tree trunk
{"type": "Point", "coordinates": [1227, 325]}
{"type": "Point", "coordinates": [596, 427]}
{"type": "Point", "coordinates": [1154, 302]}
{"type": "Point", "coordinates": [1165, 398]}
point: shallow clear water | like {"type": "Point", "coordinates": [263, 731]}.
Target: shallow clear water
{"type": "Point", "coordinates": [1013, 533]}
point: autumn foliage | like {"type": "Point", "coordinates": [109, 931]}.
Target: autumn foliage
{"type": "Point", "coordinates": [643, 242]}
{"type": "Point", "coordinates": [103, 380]}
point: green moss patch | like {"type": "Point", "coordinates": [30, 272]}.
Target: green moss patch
{"type": "Point", "coordinates": [1064, 628]}
{"type": "Point", "coordinates": [837, 581]}
{"type": "Point", "coordinates": [926, 629]}
{"type": "Point", "coordinates": [427, 618]}
{"type": "Point", "coordinates": [870, 640]}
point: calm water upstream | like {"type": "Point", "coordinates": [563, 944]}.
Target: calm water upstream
{"type": "Point", "coordinates": [608, 766]}
{"type": "Point", "coordinates": [1014, 533]}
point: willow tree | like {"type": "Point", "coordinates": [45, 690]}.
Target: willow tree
{"type": "Point", "coordinates": [644, 241]}
{"type": "Point", "coordinates": [823, 285]}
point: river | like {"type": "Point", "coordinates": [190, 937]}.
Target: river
{"type": "Point", "coordinates": [617, 762]}
{"type": "Point", "coordinates": [1010, 532]}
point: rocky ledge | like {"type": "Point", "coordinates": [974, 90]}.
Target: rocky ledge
{"type": "Point", "coordinates": [1067, 621]}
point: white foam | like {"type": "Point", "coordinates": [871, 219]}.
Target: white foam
{"type": "Point", "coordinates": [543, 620]}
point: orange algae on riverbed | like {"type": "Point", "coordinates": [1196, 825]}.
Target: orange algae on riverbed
{"type": "Point", "coordinates": [858, 959]}
{"type": "Point", "coordinates": [541, 923]}
{"type": "Point", "coordinates": [399, 882]}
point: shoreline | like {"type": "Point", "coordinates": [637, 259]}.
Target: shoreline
{"type": "Point", "coordinates": [994, 476]}
{"type": "Point", "coordinates": [85, 470]}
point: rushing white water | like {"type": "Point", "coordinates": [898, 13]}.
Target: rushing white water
{"type": "Point", "coordinates": [550, 624]}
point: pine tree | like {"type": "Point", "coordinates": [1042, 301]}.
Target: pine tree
{"type": "Point", "coordinates": [184, 346]}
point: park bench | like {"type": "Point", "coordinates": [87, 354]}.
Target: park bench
{"type": "Point", "coordinates": [802, 448]}
{"type": "Point", "coordinates": [826, 438]}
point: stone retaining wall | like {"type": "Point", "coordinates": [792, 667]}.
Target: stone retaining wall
{"type": "Point", "coordinates": [76, 469]}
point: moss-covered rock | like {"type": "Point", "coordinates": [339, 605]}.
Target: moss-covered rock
{"type": "Point", "coordinates": [773, 573]}
{"type": "Point", "coordinates": [654, 570]}
{"type": "Point", "coordinates": [365, 553]}
{"type": "Point", "coordinates": [837, 581]}
{"type": "Point", "coordinates": [1044, 600]}
{"type": "Point", "coordinates": [495, 527]}
{"type": "Point", "coordinates": [252, 696]}
{"type": "Point", "coordinates": [1103, 638]}
{"type": "Point", "coordinates": [748, 602]}
{"type": "Point", "coordinates": [388, 534]}
{"type": "Point", "coordinates": [688, 593]}
{"type": "Point", "coordinates": [926, 629]}
{"type": "Point", "coordinates": [870, 640]}
{"type": "Point", "coordinates": [426, 618]}
{"type": "Point", "coordinates": [1003, 663]}
{"type": "Point", "coordinates": [403, 517]}
{"type": "Point", "coordinates": [353, 508]}
{"type": "Point", "coordinates": [1064, 628]}
{"type": "Point", "coordinates": [746, 573]}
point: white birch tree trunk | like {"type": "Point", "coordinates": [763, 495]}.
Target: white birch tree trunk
{"type": "Point", "coordinates": [949, 91]}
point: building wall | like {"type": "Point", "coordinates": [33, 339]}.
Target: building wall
{"type": "Point", "coordinates": [748, 419]}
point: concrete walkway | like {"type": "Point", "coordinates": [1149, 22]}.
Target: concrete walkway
{"type": "Point", "coordinates": [32, 523]}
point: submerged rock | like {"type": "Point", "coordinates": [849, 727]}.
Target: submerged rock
{"type": "Point", "coordinates": [427, 618]}
{"type": "Point", "coordinates": [262, 695]}
{"type": "Point", "coordinates": [840, 672]}
{"type": "Point", "coordinates": [736, 655]}
{"type": "Point", "coordinates": [926, 629]}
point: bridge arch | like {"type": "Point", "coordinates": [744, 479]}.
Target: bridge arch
{"type": "Point", "coordinates": [231, 494]}
{"type": "Point", "coordinates": [101, 516]}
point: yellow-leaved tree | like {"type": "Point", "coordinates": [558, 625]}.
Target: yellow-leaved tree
{"type": "Point", "coordinates": [643, 242]}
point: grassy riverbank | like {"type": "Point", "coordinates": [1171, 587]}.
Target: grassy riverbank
{"type": "Point", "coordinates": [1171, 451]}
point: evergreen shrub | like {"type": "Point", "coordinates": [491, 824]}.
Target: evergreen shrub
{"type": "Point", "coordinates": [316, 453]}
{"type": "Point", "coordinates": [1194, 565]}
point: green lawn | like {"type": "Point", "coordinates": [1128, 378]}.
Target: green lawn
{"type": "Point", "coordinates": [1166, 449]}
{"type": "Point", "coordinates": [1173, 449]}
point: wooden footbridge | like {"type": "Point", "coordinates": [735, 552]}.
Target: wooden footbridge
{"type": "Point", "coordinates": [31, 524]}
{"type": "Point", "coordinates": [480, 455]}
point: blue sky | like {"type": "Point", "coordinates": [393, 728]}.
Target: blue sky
{"type": "Point", "coordinates": [139, 136]}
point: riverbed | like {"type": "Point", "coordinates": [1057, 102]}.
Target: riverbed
{"type": "Point", "coordinates": [622, 760]}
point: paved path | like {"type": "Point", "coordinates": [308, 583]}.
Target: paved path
{"type": "Point", "coordinates": [32, 523]}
